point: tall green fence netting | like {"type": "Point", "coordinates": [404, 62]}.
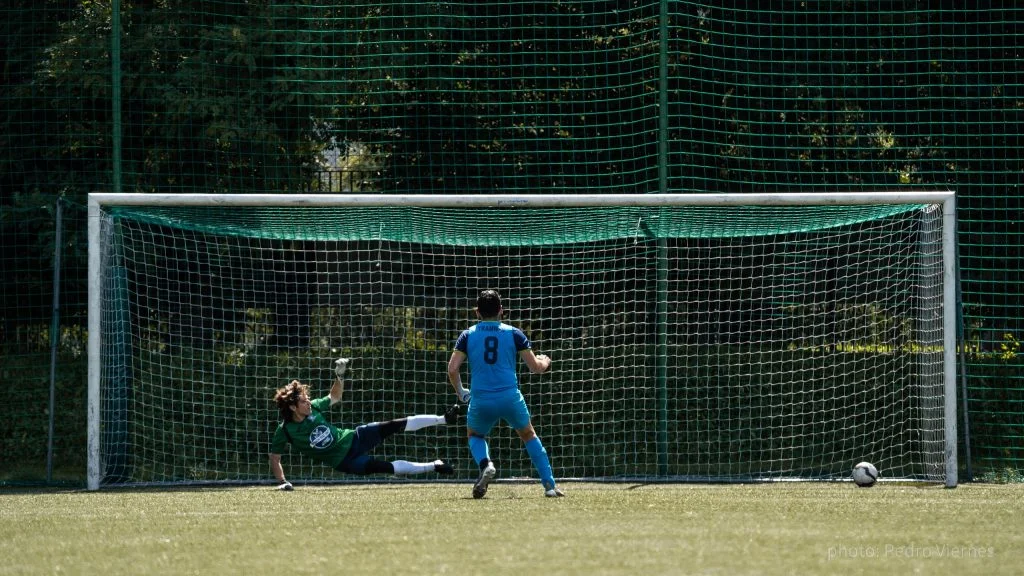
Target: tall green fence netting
{"type": "Point", "coordinates": [530, 97]}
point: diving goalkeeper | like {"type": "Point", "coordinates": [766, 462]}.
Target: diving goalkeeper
{"type": "Point", "coordinates": [304, 426]}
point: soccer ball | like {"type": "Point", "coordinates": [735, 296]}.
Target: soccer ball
{"type": "Point", "coordinates": [865, 474]}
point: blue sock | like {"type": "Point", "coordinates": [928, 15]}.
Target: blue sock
{"type": "Point", "coordinates": [539, 456]}
{"type": "Point", "coordinates": [479, 448]}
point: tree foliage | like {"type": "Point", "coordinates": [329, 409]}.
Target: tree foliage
{"type": "Point", "coordinates": [468, 96]}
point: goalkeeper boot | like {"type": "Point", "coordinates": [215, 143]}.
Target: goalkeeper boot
{"type": "Point", "coordinates": [443, 468]}
{"type": "Point", "coordinates": [487, 474]}
{"type": "Point", "coordinates": [451, 415]}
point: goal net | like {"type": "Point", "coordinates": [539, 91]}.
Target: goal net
{"type": "Point", "coordinates": [693, 337]}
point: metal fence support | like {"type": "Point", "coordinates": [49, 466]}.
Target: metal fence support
{"type": "Point", "coordinates": [54, 336]}
{"type": "Point", "coordinates": [962, 345]}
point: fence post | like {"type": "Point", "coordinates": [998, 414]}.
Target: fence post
{"type": "Point", "coordinates": [661, 356]}
{"type": "Point", "coordinates": [54, 336]}
{"type": "Point", "coordinates": [115, 87]}
{"type": "Point", "coordinates": [663, 99]}
{"type": "Point", "coordinates": [962, 345]}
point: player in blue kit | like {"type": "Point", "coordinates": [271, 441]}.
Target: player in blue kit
{"type": "Point", "coordinates": [493, 348]}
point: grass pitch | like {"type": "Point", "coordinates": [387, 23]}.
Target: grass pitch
{"type": "Point", "coordinates": [785, 528]}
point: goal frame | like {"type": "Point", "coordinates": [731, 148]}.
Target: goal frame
{"type": "Point", "coordinates": [947, 199]}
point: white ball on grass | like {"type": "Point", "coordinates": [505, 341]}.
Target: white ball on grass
{"type": "Point", "coordinates": [865, 474]}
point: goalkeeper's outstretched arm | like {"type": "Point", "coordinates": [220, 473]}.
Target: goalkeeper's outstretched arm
{"type": "Point", "coordinates": [338, 388]}
{"type": "Point", "coordinates": [278, 472]}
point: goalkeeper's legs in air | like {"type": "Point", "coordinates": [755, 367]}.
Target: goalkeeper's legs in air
{"type": "Point", "coordinates": [369, 436]}
{"type": "Point", "coordinates": [364, 465]}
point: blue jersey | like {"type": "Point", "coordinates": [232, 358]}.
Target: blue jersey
{"type": "Point", "coordinates": [493, 350]}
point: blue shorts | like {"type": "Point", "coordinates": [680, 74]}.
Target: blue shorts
{"type": "Point", "coordinates": [486, 410]}
{"type": "Point", "coordinates": [367, 437]}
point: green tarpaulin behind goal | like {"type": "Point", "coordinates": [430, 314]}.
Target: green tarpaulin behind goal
{"type": "Point", "coordinates": [506, 226]}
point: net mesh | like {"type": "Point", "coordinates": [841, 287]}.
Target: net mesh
{"type": "Point", "coordinates": [43, 342]}
{"type": "Point", "coordinates": [588, 96]}
{"type": "Point", "coordinates": [678, 354]}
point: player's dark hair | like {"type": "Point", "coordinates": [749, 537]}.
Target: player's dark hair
{"type": "Point", "coordinates": [488, 303]}
{"type": "Point", "coordinates": [287, 397]}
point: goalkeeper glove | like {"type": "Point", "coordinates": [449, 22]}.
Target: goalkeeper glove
{"type": "Point", "coordinates": [286, 487]}
{"type": "Point", "coordinates": [463, 395]}
{"type": "Point", "coordinates": [341, 366]}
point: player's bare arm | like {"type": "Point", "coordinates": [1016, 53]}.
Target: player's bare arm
{"type": "Point", "coordinates": [537, 363]}
{"type": "Point", "coordinates": [455, 376]}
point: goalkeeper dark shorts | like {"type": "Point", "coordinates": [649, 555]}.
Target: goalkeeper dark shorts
{"type": "Point", "coordinates": [366, 438]}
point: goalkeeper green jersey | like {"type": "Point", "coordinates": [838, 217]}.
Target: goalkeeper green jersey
{"type": "Point", "coordinates": [314, 436]}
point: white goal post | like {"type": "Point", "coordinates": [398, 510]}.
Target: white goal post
{"type": "Point", "coordinates": [695, 337]}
